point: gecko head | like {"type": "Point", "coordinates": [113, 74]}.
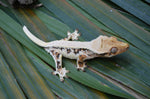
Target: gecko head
{"type": "Point", "coordinates": [109, 46]}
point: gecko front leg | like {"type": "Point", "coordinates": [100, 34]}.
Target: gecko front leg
{"type": "Point", "coordinates": [80, 62]}
{"type": "Point", "coordinates": [58, 63]}
{"type": "Point", "coordinates": [72, 36]}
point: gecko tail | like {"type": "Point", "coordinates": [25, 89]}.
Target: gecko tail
{"type": "Point", "coordinates": [33, 38]}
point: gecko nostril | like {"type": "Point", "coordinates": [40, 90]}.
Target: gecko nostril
{"type": "Point", "coordinates": [127, 48]}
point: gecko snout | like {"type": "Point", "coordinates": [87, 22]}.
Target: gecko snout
{"type": "Point", "coordinates": [125, 47]}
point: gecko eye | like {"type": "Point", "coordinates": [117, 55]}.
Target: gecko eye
{"type": "Point", "coordinates": [114, 50]}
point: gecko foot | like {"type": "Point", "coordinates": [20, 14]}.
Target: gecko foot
{"type": "Point", "coordinates": [74, 35]}
{"type": "Point", "coordinates": [62, 73]}
{"type": "Point", "coordinates": [81, 66]}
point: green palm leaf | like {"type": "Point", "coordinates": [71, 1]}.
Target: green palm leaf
{"type": "Point", "coordinates": [9, 86]}
{"type": "Point", "coordinates": [137, 8]}
{"type": "Point", "coordinates": [125, 75]}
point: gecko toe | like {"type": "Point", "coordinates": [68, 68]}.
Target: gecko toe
{"type": "Point", "coordinates": [83, 70]}
{"type": "Point", "coordinates": [61, 73]}
{"type": "Point", "coordinates": [53, 73]}
{"type": "Point", "coordinates": [66, 76]}
{"type": "Point", "coordinates": [62, 80]}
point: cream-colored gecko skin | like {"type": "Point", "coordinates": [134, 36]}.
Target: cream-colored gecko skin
{"type": "Point", "coordinates": [102, 46]}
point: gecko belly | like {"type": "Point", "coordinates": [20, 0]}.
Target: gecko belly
{"type": "Point", "coordinates": [70, 55]}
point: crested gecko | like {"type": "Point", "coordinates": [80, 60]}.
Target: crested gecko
{"type": "Point", "coordinates": [102, 46]}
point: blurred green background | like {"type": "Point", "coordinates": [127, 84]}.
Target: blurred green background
{"type": "Point", "coordinates": [25, 68]}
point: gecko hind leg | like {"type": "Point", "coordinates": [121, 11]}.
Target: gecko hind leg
{"type": "Point", "coordinates": [80, 62]}
{"type": "Point", "coordinates": [72, 36]}
{"type": "Point", "coordinates": [58, 63]}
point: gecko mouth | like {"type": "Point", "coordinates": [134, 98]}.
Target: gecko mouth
{"type": "Point", "coordinates": [127, 48]}
{"type": "Point", "coordinates": [107, 54]}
